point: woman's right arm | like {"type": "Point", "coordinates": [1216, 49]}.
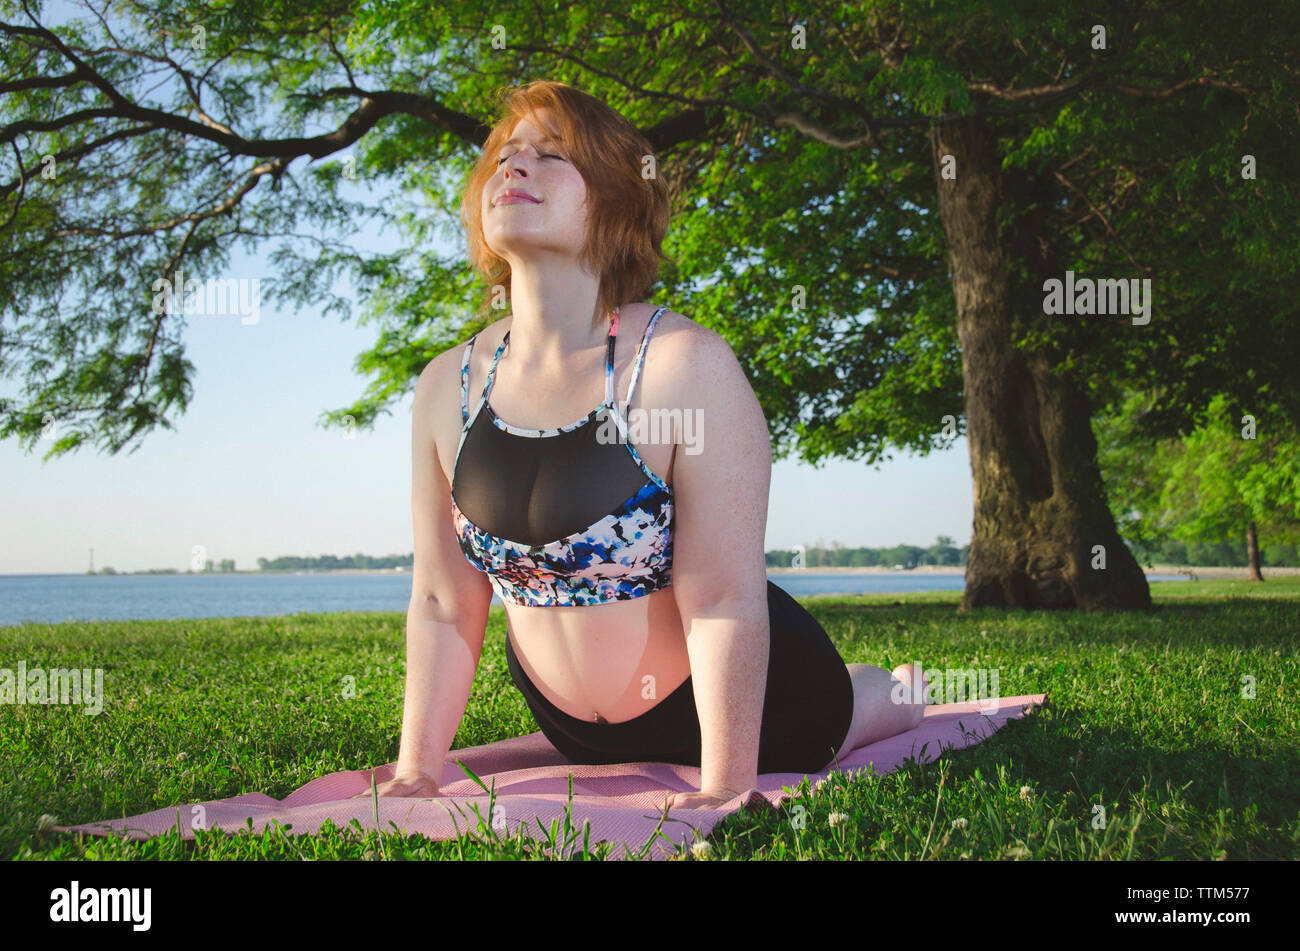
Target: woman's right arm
{"type": "Point", "coordinates": [447, 615]}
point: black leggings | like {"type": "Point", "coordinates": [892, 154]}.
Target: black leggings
{"type": "Point", "coordinates": [807, 708]}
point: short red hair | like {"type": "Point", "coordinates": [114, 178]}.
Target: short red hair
{"type": "Point", "coordinates": [627, 213]}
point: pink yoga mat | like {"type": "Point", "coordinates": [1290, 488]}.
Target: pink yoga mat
{"type": "Point", "coordinates": [623, 803]}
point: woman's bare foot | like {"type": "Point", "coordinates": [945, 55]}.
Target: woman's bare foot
{"type": "Point", "coordinates": [884, 703]}
{"type": "Point", "coordinates": [908, 674]}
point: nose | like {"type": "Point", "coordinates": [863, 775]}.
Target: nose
{"type": "Point", "coordinates": [510, 159]}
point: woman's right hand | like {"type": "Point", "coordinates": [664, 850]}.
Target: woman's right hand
{"type": "Point", "coordinates": [405, 785]}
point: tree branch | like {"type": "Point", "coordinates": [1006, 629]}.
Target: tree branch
{"type": "Point", "coordinates": [274, 167]}
{"type": "Point", "coordinates": [1102, 218]}
{"type": "Point", "coordinates": [85, 148]}
{"type": "Point", "coordinates": [21, 186]}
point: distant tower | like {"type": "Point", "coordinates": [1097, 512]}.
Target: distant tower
{"type": "Point", "coordinates": [92, 561]}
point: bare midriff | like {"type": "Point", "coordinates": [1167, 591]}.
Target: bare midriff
{"type": "Point", "coordinates": [603, 662]}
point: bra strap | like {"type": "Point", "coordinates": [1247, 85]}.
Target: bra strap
{"type": "Point", "coordinates": [464, 381]}
{"type": "Point", "coordinates": [492, 370]}
{"type": "Point", "coordinates": [640, 356]}
{"type": "Point", "coordinates": [609, 360]}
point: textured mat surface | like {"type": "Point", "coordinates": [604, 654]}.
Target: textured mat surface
{"type": "Point", "coordinates": [623, 803]}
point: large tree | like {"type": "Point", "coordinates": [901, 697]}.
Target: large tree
{"type": "Point", "coordinates": [869, 199]}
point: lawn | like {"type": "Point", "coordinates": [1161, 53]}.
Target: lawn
{"type": "Point", "coordinates": [1149, 746]}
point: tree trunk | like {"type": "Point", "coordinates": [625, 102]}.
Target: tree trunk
{"type": "Point", "coordinates": [1043, 534]}
{"type": "Point", "coordinates": [1252, 552]}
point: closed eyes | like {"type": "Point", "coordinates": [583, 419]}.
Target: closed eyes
{"type": "Point", "coordinates": [560, 157]}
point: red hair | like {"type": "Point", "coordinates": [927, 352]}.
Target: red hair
{"type": "Point", "coordinates": [627, 213]}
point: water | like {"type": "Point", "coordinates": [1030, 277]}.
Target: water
{"type": "Point", "coordinates": [54, 598]}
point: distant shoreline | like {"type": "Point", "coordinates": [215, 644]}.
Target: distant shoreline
{"type": "Point", "coordinates": [1210, 572]}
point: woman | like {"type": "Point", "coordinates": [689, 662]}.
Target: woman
{"type": "Point", "coordinates": [641, 623]}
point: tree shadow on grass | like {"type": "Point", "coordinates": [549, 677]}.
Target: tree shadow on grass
{"type": "Point", "coordinates": [1060, 753]}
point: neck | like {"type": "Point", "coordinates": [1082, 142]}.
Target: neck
{"type": "Point", "coordinates": [552, 320]}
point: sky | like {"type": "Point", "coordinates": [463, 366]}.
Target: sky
{"type": "Point", "coordinates": [250, 472]}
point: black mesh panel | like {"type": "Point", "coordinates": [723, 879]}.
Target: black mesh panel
{"type": "Point", "coordinates": [538, 489]}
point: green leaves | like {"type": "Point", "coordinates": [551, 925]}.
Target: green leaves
{"type": "Point", "coordinates": [1208, 485]}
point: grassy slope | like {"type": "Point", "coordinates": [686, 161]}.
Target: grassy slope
{"type": "Point", "coordinates": [1145, 720]}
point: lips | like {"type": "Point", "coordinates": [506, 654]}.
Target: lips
{"type": "Point", "coordinates": [513, 196]}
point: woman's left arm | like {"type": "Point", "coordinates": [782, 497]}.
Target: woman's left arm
{"type": "Point", "coordinates": [721, 476]}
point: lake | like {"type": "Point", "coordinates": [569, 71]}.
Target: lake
{"type": "Point", "coordinates": [54, 598]}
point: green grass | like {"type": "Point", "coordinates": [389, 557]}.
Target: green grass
{"type": "Point", "coordinates": [1145, 719]}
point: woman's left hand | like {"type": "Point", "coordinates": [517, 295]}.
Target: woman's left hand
{"type": "Point", "coordinates": [704, 799]}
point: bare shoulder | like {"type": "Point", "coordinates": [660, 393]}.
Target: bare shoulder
{"type": "Point", "coordinates": [677, 331]}
{"type": "Point", "coordinates": [693, 364]}
{"type": "Point", "coordinates": [439, 378]}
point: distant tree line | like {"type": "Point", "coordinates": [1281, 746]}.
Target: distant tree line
{"type": "Point", "coordinates": [942, 552]}
{"type": "Point", "coordinates": [334, 563]}
{"type": "Point", "coordinates": [225, 566]}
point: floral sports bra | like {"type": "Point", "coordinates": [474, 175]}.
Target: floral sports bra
{"type": "Point", "coordinates": [563, 516]}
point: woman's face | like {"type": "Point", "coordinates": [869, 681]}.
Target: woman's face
{"type": "Point", "coordinates": [554, 221]}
